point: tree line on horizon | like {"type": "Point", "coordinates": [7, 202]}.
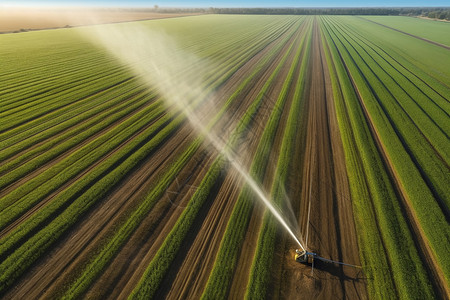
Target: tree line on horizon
{"type": "Point", "coordinates": [442, 13]}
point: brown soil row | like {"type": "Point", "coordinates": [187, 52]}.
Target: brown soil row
{"type": "Point", "coordinates": [331, 232]}
{"type": "Point", "coordinates": [74, 250]}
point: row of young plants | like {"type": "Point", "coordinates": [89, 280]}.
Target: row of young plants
{"type": "Point", "coordinates": [20, 84]}
{"type": "Point", "coordinates": [37, 95]}
{"type": "Point", "coordinates": [402, 155]}
{"type": "Point", "coordinates": [431, 120]}
{"type": "Point", "coordinates": [388, 219]}
{"type": "Point", "coordinates": [66, 143]}
{"type": "Point", "coordinates": [96, 154]}
{"type": "Point", "coordinates": [387, 43]}
{"type": "Point", "coordinates": [224, 267]}
{"type": "Point", "coordinates": [64, 211]}
{"type": "Point", "coordinates": [160, 264]}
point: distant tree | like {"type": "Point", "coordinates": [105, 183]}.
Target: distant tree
{"type": "Point", "coordinates": [156, 7]}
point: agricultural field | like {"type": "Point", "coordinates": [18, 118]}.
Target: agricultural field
{"type": "Point", "coordinates": [160, 159]}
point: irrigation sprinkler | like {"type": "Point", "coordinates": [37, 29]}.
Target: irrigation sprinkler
{"type": "Point", "coordinates": [304, 256]}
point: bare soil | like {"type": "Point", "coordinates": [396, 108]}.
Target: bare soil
{"type": "Point", "coordinates": [13, 19]}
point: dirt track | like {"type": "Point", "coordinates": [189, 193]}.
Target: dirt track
{"type": "Point", "coordinates": [331, 230]}
{"type": "Point", "coordinates": [412, 35]}
{"type": "Point", "coordinates": [24, 19]}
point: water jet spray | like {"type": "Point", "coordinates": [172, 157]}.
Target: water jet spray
{"type": "Point", "coordinates": [156, 58]}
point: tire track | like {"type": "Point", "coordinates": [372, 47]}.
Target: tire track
{"type": "Point", "coordinates": [406, 33]}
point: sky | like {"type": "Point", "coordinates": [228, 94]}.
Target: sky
{"type": "Point", "coordinates": [229, 3]}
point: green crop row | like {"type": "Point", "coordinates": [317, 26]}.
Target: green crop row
{"type": "Point", "coordinates": [65, 96]}
{"type": "Point", "coordinates": [23, 198]}
{"type": "Point", "coordinates": [65, 210]}
{"type": "Point", "coordinates": [426, 98]}
{"type": "Point", "coordinates": [360, 153]}
{"type": "Point", "coordinates": [430, 119]}
{"type": "Point", "coordinates": [21, 87]}
{"type": "Point", "coordinates": [21, 101]}
{"type": "Point", "coordinates": [423, 63]}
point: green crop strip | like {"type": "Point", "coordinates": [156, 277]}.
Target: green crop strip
{"type": "Point", "coordinates": [420, 148]}
{"type": "Point", "coordinates": [41, 131]}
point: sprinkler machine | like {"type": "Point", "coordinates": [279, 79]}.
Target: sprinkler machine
{"type": "Point", "coordinates": [304, 256]}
